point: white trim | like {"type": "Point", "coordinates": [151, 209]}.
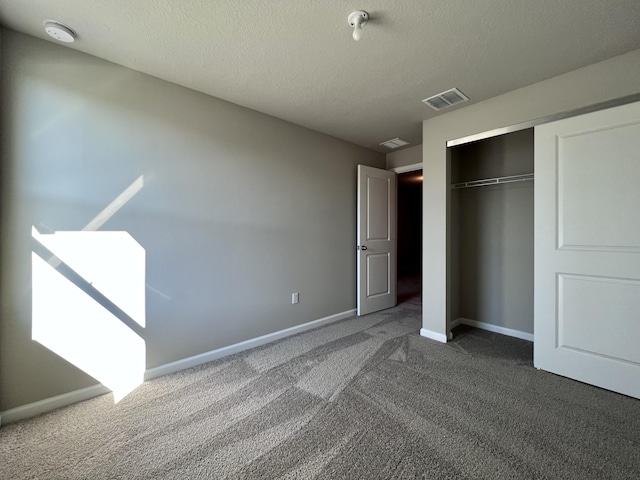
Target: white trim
{"type": "Point", "coordinates": [52, 403]}
{"type": "Point", "coordinates": [616, 102]}
{"type": "Point", "coordinates": [407, 168]}
{"type": "Point", "coordinates": [492, 328]}
{"type": "Point", "coordinates": [241, 346]}
{"type": "Point", "coordinates": [48, 404]}
{"type": "Point", "coordinates": [438, 337]}
{"type": "Point", "coordinates": [455, 323]}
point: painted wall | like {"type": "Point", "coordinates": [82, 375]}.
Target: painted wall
{"type": "Point", "coordinates": [492, 233]}
{"type": "Point", "coordinates": [238, 209]}
{"type": "Point", "coordinates": [613, 78]}
{"type": "Point", "coordinates": [408, 156]}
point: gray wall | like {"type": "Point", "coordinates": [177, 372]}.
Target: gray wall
{"type": "Point", "coordinates": [238, 210]}
{"type": "Point", "coordinates": [402, 158]}
{"type": "Point", "coordinates": [613, 78]}
{"type": "Point", "coordinates": [492, 230]}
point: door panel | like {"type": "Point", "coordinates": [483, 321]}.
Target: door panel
{"type": "Point", "coordinates": [379, 268]}
{"type": "Point", "coordinates": [587, 248]}
{"type": "Point", "coordinates": [583, 300]}
{"type": "Point", "coordinates": [377, 209]}
{"type": "Point", "coordinates": [376, 234]}
{"type": "Point", "coordinates": [611, 174]}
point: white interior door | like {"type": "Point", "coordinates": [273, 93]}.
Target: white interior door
{"type": "Point", "coordinates": [587, 248]}
{"type": "Point", "coordinates": [376, 239]}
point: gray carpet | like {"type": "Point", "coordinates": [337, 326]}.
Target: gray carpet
{"type": "Point", "coordinates": [362, 398]}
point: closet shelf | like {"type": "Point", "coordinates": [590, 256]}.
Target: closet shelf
{"type": "Point", "coordinates": [493, 181]}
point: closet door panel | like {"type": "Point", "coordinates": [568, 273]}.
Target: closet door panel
{"type": "Point", "coordinates": [587, 248]}
{"type": "Point", "coordinates": [594, 165]}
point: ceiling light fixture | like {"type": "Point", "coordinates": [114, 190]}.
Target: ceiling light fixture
{"type": "Point", "coordinates": [357, 20]}
{"type": "Point", "coordinates": [59, 31]}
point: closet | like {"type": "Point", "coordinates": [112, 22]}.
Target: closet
{"type": "Point", "coordinates": [491, 234]}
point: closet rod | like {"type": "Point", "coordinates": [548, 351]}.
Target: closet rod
{"type": "Point", "coordinates": [493, 181]}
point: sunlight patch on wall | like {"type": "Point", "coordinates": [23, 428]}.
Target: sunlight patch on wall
{"type": "Point", "coordinates": [112, 262]}
{"type": "Point", "coordinates": [88, 301]}
{"type": "Point", "coordinates": [73, 324]}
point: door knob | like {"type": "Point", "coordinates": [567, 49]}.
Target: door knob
{"type": "Point", "coordinates": [363, 247]}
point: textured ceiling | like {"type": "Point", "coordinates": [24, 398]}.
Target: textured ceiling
{"type": "Point", "coordinates": [296, 60]}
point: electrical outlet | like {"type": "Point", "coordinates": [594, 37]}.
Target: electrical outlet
{"type": "Point", "coordinates": [295, 298]}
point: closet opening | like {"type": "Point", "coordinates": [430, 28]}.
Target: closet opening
{"type": "Point", "coordinates": [409, 208]}
{"type": "Point", "coordinates": [491, 240]}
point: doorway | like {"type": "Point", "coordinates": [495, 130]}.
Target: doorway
{"type": "Point", "coordinates": [410, 237]}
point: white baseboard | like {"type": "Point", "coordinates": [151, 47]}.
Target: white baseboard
{"type": "Point", "coordinates": [438, 337]}
{"type": "Point", "coordinates": [241, 346]}
{"type": "Point", "coordinates": [492, 328]}
{"type": "Point", "coordinates": [48, 404]}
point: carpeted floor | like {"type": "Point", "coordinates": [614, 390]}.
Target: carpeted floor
{"type": "Point", "coordinates": [363, 398]}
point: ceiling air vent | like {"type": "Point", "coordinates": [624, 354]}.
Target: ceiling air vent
{"type": "Point", "coordinates": [395, 143]}
{"type": "Point", "coordinates": [446, 99]}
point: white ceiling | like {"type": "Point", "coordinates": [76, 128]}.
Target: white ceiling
{"type": "Point", "coordinates": [296, 60]}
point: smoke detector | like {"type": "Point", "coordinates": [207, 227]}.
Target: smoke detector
{"type": "Point", "coordinates": [446, 99]}
{"type": "Point", "coordinates": [59, 31]}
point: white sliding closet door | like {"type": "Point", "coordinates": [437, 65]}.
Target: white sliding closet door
{"type": "Point", "coordinates": [587, 248]}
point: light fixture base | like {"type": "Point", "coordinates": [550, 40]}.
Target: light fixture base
{"type": "Point", "coordinates": [358, 14]}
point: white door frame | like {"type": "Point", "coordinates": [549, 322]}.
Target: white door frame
{"type": "Point", "coordinates": [407, 168]}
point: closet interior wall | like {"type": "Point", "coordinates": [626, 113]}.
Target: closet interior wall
{"type": "Point", "coordinates": [491, 233]}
